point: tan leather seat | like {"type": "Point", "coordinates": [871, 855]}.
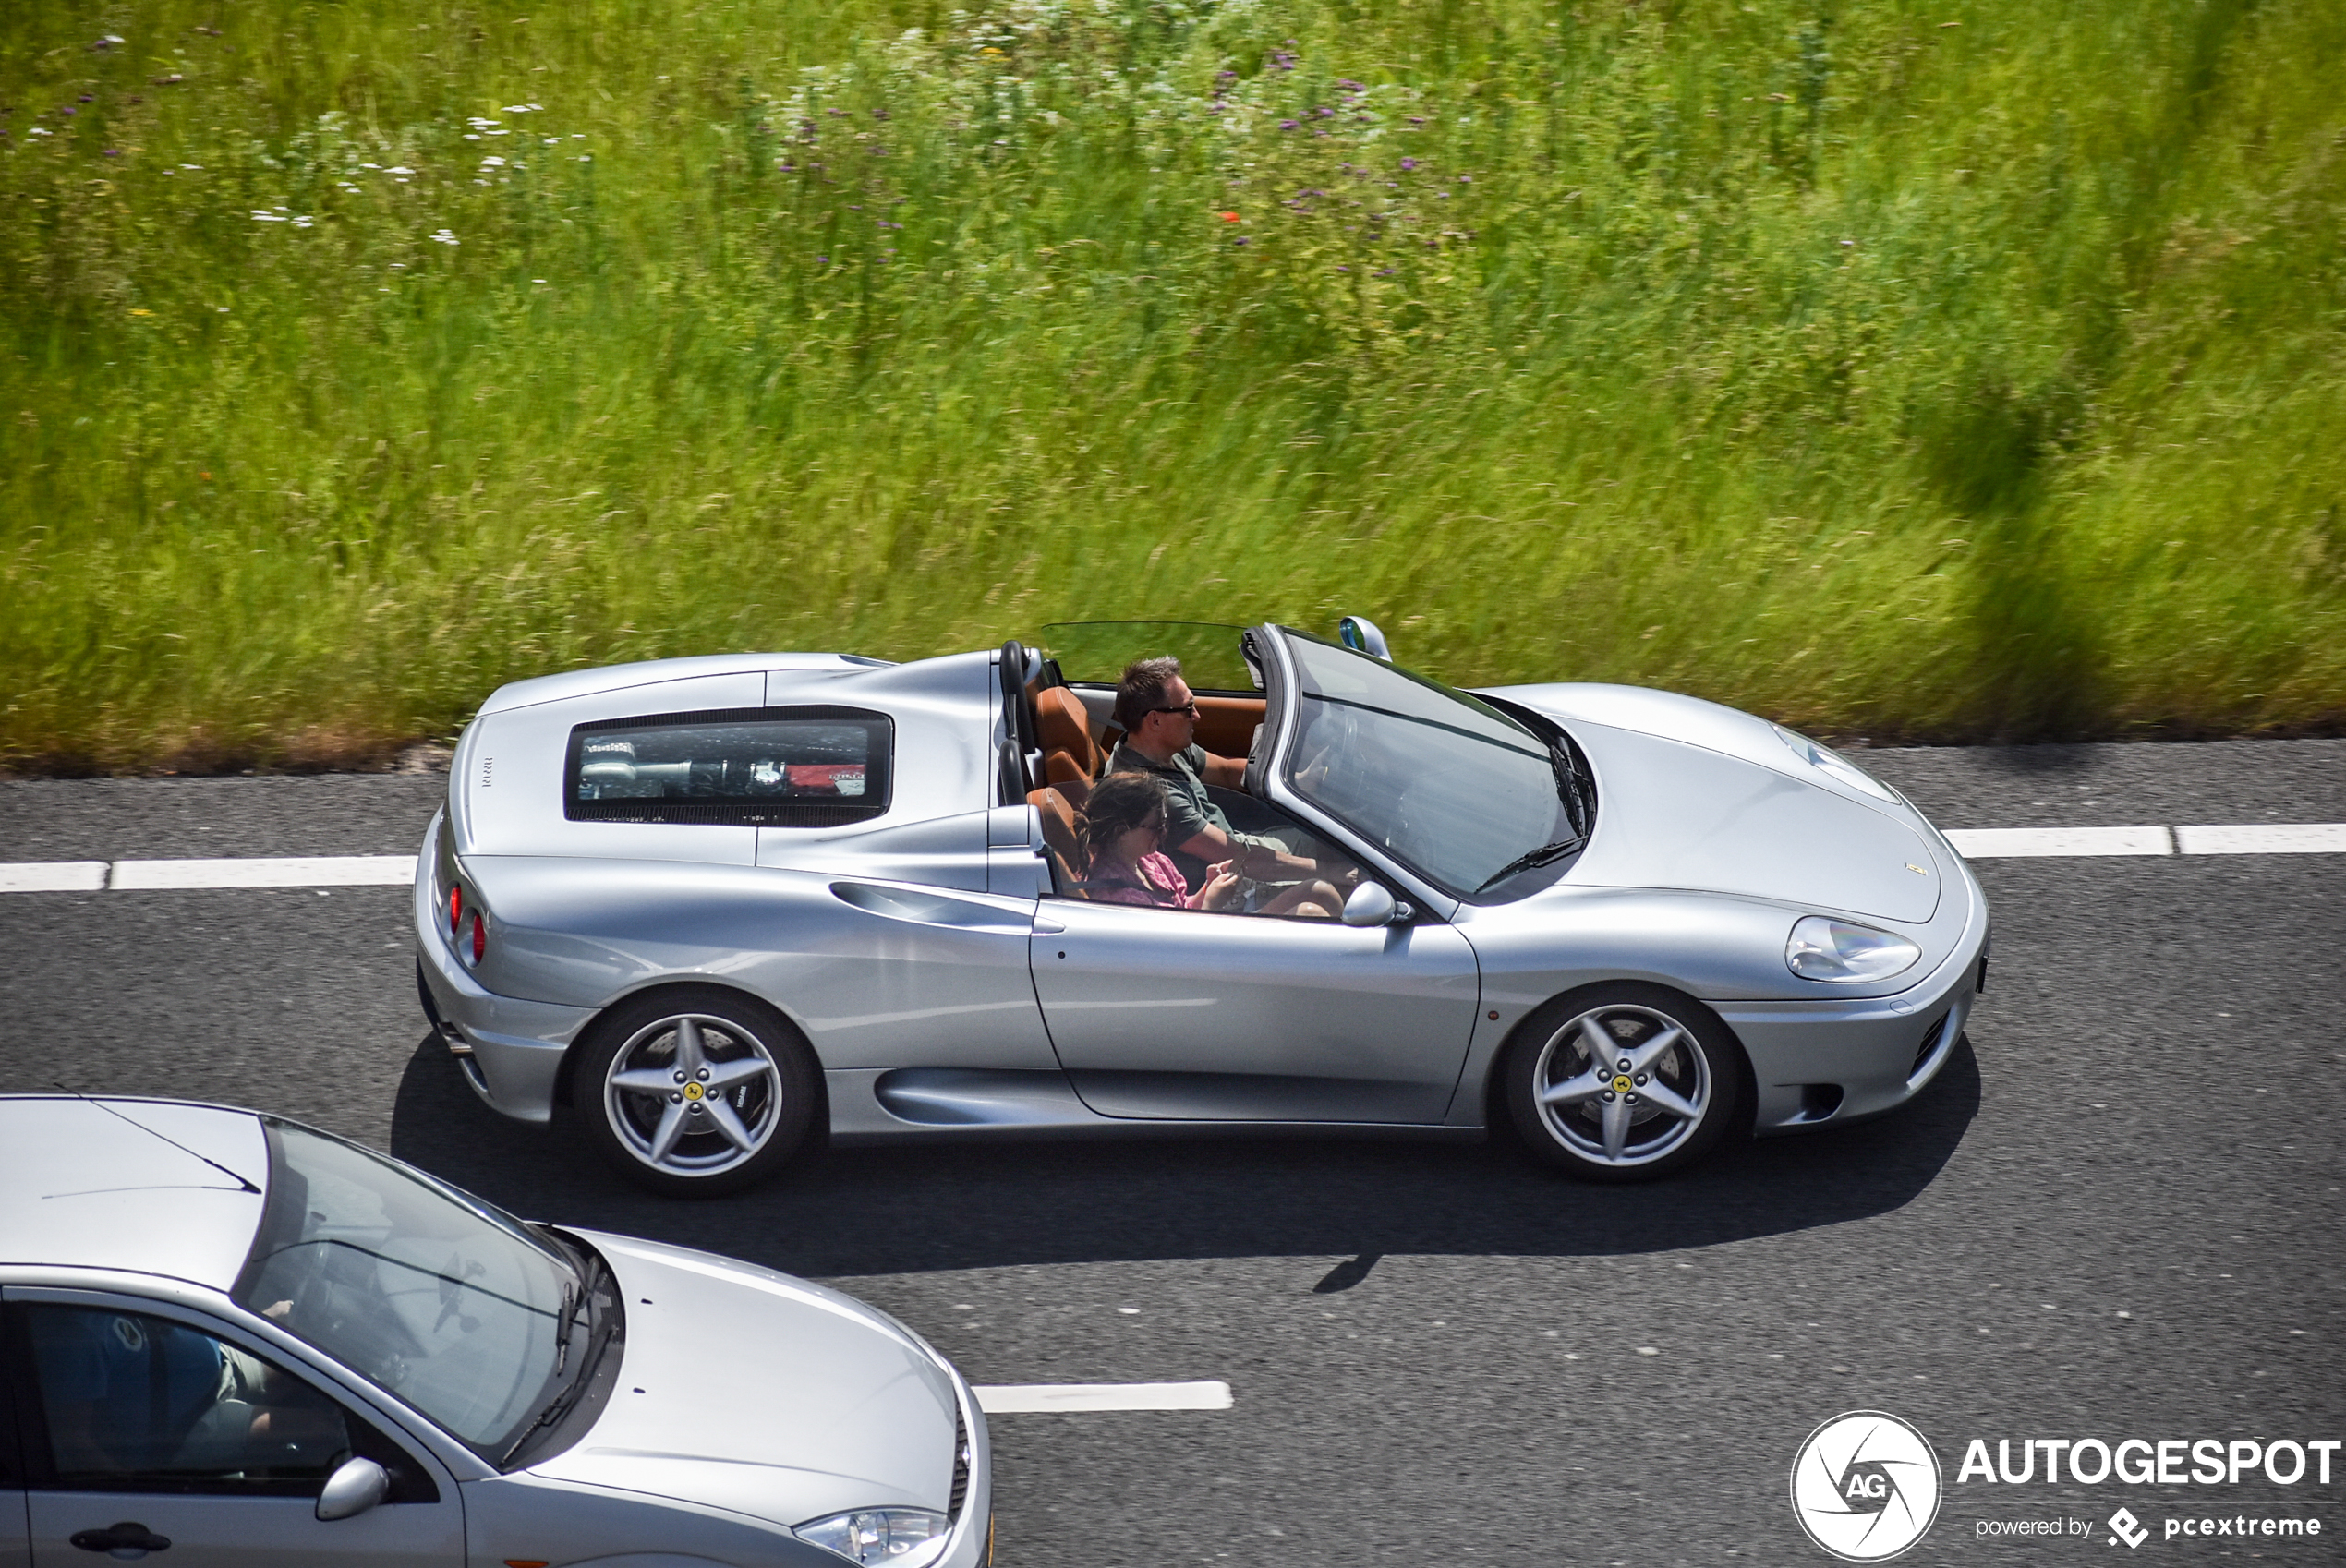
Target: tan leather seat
{"type": "Point", "coordinates": [1064, 727]}
{"type": "Point", "coordinates": [1059, 836]}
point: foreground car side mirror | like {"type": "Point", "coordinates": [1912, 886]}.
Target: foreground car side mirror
{"type": "Point", "coordinates": [356, 1486]}
{"type": "Point", "coordinates": [1373, 903]}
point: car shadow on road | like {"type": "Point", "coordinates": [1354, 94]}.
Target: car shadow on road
{"type": "Point", "coordinates": [918, 1209]}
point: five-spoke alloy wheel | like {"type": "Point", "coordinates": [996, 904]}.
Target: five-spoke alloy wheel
{"type": "Point", "coordinates": [1623, 1082]}
{"type": "Point", "coordinates": [695, 1092]}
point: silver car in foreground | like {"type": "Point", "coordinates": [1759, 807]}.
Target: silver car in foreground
{"type": "Point", "coordinates": [250, 1345]}
{"type": "Point", "coordinates": [717, 905]}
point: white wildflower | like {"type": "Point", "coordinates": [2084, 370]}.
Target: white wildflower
{"type": "Point", "coordinates": [492, 162]}
{"type": "Point", "coordinates": [260, 217]}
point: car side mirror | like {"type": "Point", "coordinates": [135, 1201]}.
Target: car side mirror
{"type": "Point", "coordinates": [1373, 903]}
{"type": "Point", "coordinates": [356, 1486]}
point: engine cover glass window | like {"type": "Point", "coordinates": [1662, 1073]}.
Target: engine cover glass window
{"type": "Point", "coordinates": [775, 767]}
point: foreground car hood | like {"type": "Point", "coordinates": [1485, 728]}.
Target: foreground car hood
{"type": "Point", "coordinates": [750, 1391]}
{"type": "Point", "coordinates": [1689, 796]}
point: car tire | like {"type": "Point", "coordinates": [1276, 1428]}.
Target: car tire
{"type": "Point", "coordinates": [693, 1091]}
{"type": "Point", "coordinates": [1681, 1090]}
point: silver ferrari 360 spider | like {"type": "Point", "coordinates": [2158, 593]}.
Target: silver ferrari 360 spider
{"type": "Point", "coordinates": [714, 905]}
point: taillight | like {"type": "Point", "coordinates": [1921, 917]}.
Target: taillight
{"type": "Point", "coordinates": [480, 937]}
{"type": "Point", "coordinates": [455, 909]}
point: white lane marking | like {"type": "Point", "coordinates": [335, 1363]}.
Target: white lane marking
{"type": "Point", "coordinates": [395, 871]}
{"type": "Point", "coordinates": [1026, 1399]}
{"type": "Point", "coordinates": [1991, 843]}
{"type": "Point", "coordinates": [310, 870]}
{"type": "Point", "coordinates": [52, 876]}
{"type": "Point", "coordinates": [2265, 839]}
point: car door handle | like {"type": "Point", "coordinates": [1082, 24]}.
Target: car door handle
{"type": "Point", "coordinates": [126, 1540]}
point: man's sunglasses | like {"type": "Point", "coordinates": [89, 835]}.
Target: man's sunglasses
{"type": "Point", "coordinates": [1189, 708]}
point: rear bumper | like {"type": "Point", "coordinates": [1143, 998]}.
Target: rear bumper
{"type": "Point", "coordinates": [509, 1051]}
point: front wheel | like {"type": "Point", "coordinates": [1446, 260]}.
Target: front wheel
{"type": "Point", "coordinates": [695, 1092]}
{"type": "Point", "coordinates": [1623, 1082]}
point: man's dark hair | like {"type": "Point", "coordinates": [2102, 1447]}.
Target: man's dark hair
{"type": "Point", "coordinates": [1141, 687]}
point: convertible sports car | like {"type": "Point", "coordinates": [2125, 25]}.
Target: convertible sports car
{"type": "Point", "coordinates": [713, 904]}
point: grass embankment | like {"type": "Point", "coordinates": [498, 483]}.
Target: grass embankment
{"type": "Point", "coordinates": [1925, 371]}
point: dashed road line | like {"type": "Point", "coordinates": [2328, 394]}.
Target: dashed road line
{"type": "Point", "coordinates": [1999, 843]}
{"type": "Point", "coordinates": [1029, 1399]}
{"type": "Point", "coordinates": [395, 871]}
{"type": "Point", "coordinates": [308, 871]}
{"type": "Point", "coordinates": [52, 876]}
{"type": "Point", "coordinates": [2265, 839]}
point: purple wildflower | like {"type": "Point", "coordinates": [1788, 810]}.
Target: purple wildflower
{"type": "Point", "coordinates": [1408, 163]}
{"type": "Point", "coordinates": [1286, 124]}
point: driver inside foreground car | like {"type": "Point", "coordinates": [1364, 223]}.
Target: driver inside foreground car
{"type": "Point", "coordinates": [1158, 713]}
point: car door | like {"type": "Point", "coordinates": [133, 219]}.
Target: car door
{"type": "Point", "coordinates": [146, 1433]}
{"type": "Point", "coordinates": [1181, 1013]}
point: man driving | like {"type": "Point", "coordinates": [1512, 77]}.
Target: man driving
{"type": "Point", "coordinates": [1158, 713]}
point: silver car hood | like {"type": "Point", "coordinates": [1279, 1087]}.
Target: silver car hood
{"type": "Point", "coordinates": [750, 1391]}
{"type": "Point", "coordinates": [1693, 795]}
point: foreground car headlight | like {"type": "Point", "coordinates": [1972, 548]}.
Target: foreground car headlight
{"type": "Point", "coordinates": [908, 1537]}
{"type": "Point", "coordinates": [1824, 759]}
{"type": "Point", "coordinates": [1836, 949]}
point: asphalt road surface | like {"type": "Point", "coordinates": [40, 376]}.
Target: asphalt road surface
{"type": "Point", "coordinates": [2117, 1215]}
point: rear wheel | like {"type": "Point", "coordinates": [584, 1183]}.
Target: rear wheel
{"type": "Point", "coordinates": [692, 1093]}
{"type": "Point", "coordinates": [1623, 1082]}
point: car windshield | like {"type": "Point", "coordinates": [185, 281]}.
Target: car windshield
{"type": "Point", "coordinates": [1450, 786]}
{"type": "Point", "coordinates": [437, 1297]}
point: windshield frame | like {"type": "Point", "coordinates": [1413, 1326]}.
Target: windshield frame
{"type": "Point", "coordinates": [1284, 726]}
{"type": "Point", "coordinates": [280, 1228]}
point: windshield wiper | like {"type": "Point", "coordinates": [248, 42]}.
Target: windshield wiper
{"type": "Point", "coordinates": [569, 1321]}
{"type": "Point", "coordinates": [1540, 856]}
{"type": "Point", "coordinates": [563, 1403]}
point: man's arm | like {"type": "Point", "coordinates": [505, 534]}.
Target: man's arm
{"type": "Point", "coordinates": [1228, 772]}
{"type": "Point", "coordinates": [1265, 862]}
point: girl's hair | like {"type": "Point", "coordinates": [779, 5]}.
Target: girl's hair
{"type": "Point", "coordinates": [1118, 803]}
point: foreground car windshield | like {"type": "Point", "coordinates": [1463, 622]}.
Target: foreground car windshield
{"type": "Point", "coordinates": [448, 1305]}
{"type": "Point", "coordinates": [1452, 787]}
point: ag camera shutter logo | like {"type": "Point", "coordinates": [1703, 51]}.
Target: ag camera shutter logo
{"type": "Point", "coordinates": [1866, 1486]}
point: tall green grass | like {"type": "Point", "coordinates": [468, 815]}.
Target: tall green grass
{"type": "Point", "coordinates": [1929, 371]}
